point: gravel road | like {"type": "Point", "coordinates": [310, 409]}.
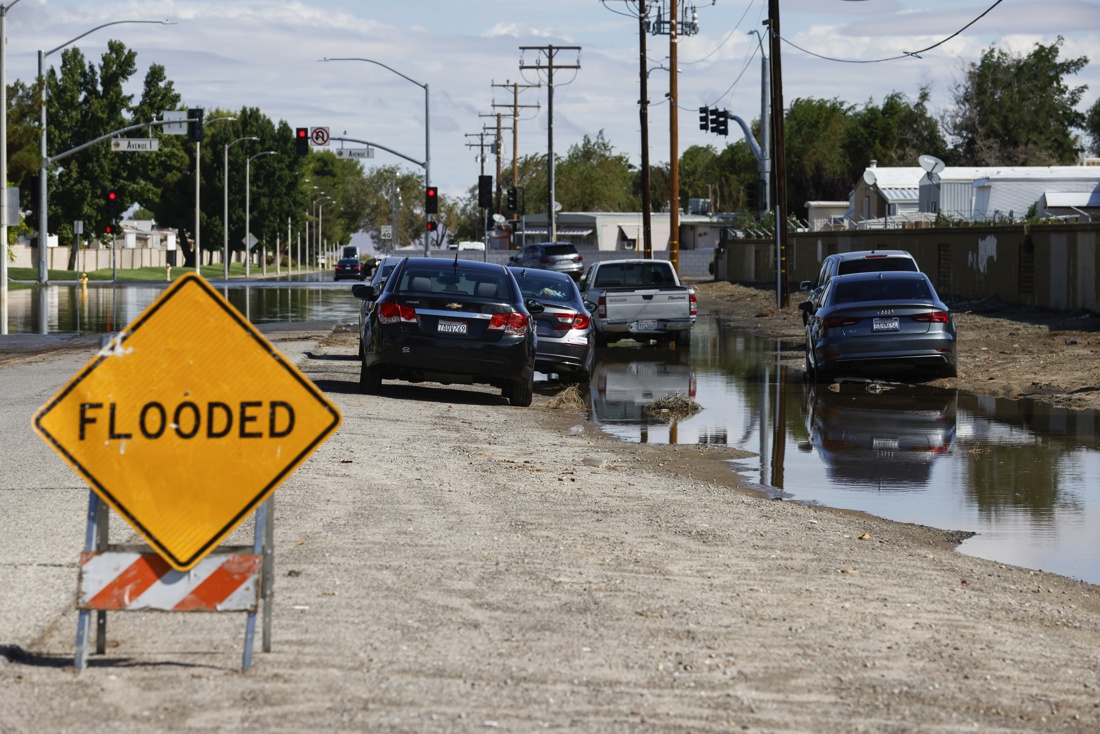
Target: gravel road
{"type": "Point", "coordinates": [448, 563]}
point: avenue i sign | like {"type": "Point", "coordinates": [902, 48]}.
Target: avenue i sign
{"type": "Point", "coordinates": [135, 145]}
{"type": "Point", "coordinates": [187, 421]}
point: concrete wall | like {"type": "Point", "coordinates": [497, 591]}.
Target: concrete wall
{"type": "Point", "coordinates": [1053, 266]}
{"type": "Point", "coordinates": [129, 258]}
{"type": "Point", "coordinates": [693, 264]}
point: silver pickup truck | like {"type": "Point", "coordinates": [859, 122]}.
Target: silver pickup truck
{"type": "Point", "coordinates": [639, 299]}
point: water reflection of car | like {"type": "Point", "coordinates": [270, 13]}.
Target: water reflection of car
{"type": "Point", "coordinates": [453, 322]}
{"type": "Point", "coordinates": [566, 341]}
{"type": "Point", "coordinates": [348, 268]}
{"type": "Point", "coordinates": [881, 440]}
{"type": "Point", "coordinates": [622, 387]}
{"type": "Point", "coordinates": [877, 324]}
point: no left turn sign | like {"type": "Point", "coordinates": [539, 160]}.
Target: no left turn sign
{"type": "Point", "coordinates": [319, 135]}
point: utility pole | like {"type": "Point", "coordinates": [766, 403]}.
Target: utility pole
{"type": "Point", "coordinates": [516, 106]}
{"type": "Point", "coordinates": [779, 167]}
{"type": "Point", "coordinates": [643, 112]}
{"type": "Point", "coordinates": [675, 29]}
{"type": "Point", "coordinates": [549, 53]}
{"type": "Point", "coordinates": [498, 144]}
{"type": "Point", "coordinates": [481, 157]}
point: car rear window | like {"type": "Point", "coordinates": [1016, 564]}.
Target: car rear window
{"type": "Point", "coordinates": [559, 249]}
{"type": "Point", "coordinates": [448, 282]}
{"type": "Point", "coordinates": [632, 275]}
{"type": "Point", "coordinates": [887, 289]}
{"type": "Point", "coordinates": [876, 265]}
{"type": "Point", "coordinates": [545, 289]}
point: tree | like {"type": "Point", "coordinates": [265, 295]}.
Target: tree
{"type": "Point", "coordinates": [593, 177]}
{"type": "Point", "coordinates": [818, 167]}
{"type": "Point", "coordinates": [1092, 127]}
{"type": "Point", "coordinates": [1015, 110]}
{"type": "Point", "coordinates": [895, 133]}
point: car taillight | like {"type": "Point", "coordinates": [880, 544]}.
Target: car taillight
{"type": "Point", "coordinates": [511, 323]}
{"type": "Point", "coordinates": [566, 321]}
{"type": "Point", "coordinates": [694, 304]}
{"type": "Point", "coordinates": [546, 260]}
{"type": "Point", "coordinates": [934, 317]}
{"type": "Point", "coordinates": [601, 307]}
{"type": "Point", "coordinates": [391, 313]}
{"type": "Point", "coordinates": [835, 322]}
{"type": "Point", "coordinates": [578, 258]}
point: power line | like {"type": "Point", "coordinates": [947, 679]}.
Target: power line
{"type": "Point", "coordinates": [908, 54]}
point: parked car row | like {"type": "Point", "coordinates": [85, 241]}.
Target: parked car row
{"type": "Point", "coordinates": [873, 313]}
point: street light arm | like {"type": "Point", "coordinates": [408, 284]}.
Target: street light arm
{"type": "Point", "coordinates": [93, 30]}
{"type": "Point", "coordinates": [379, 63]}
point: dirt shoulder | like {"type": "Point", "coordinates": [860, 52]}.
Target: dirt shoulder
{"type": "Point", "coordinates": [1004, 350]}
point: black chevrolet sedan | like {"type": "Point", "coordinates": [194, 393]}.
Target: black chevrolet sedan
{"type": "Point", "coordinates": [566, 340]}
{"type": "Point", "coordinates": [448, 321]}
{"type": "Point", "coordinates": [879, 323]}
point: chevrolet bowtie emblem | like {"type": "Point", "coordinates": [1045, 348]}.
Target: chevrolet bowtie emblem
{"type": "Point", "coordinates": [454, 305]}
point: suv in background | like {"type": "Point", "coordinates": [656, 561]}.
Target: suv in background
{"type": "Point", "coordinates": [558, 256]}
{"type": "Point", "coordinates": [348, 267]}
{"type": "Point", "coordinates": [859, 261]}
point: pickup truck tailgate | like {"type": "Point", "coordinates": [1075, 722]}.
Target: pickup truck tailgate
{"type": "Point", "coordinates": [652, 305]}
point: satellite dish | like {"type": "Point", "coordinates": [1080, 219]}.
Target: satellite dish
{"type": "Point", "coordinates": [499, 219]}
{"type": "Point", "coordinates": [931, 164]}
{"type": "Point", "coordinates": [869, 177]}
{"type": "Point", "coordinates": [557, 206]}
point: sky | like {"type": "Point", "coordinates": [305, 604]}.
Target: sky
{"type": "Point", "coordinates": [267, 54]}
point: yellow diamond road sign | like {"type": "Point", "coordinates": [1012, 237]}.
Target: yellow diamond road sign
{"type": "Point", "coordinates": [187, 421]}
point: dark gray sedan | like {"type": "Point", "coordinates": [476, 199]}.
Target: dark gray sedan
{"type": "Point", "coordinates": [878, 324]}
{"type": "Point", "coordinates": [566, 339]}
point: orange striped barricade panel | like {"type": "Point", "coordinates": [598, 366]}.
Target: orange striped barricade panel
{"type": "Point", "coordinates": [133, 581]}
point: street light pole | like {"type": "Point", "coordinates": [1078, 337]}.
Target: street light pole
{"type": "Point", "coordinates": [43, 220]}
{"type": "Point", "coordinates": [4, 214]}
{"type": "Point", "coordinates": [198, 179]}
{"type": "Point", "coordinates": [248, 212]}
{"type": "Point", "coordinates": [427, 130]}
{"type": "Point", "coordinates": [225, 206]}
{"type": "Point", "coordinates": [321, 204]}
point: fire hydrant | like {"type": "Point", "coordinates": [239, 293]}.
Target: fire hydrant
{"type": "Point", "coordinates": [168, 272]}
{"type": "Point", "coordinates": [83, 280]}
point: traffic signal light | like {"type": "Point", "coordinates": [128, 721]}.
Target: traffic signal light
{"type": "Point", "coordinates": [704, 119]}
{"type": "Point", "coordinates": [484, 191]}
{"type": "Point", "coordinates": [114, 204]}
{"type": "Point", "coordinates": [301, 140]}
{"type": "Point", "coordinates": [432, 226]}
{"type": "Point", "coordinates": [512, 196]}
{"type": "Point", "coordinates": [752, 200]}
{"type": "Point", "coordinates": [431, 200]}
{"type": "Point", "coordinates": [714, 119]}
{"type": "Point", "coordinates": [109, 229]}
{"type": "Point", "coordinates": [723, 124]}
{"type": "Point", "coordinates": [194, 125]}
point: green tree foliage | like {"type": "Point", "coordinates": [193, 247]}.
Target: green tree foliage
{"type": "Point", "coordinates": [1017, 110]}
{"type": "Point", "coordinates": [381, 186]}
{"type": "Point", "coordinates": [593, 178]}
{"type": "Point", "coordinates": [1092, 127]}
{"type": "Point", "coordinates": [818, 167]}
{"type": "Point", "coordinates": [894, 133]}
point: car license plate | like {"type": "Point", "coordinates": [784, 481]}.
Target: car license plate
{"type": "Point", "coordinates": [890, 324]}
{"type": "Point", "coordinates": [645, 325]}
{"type": "Point", "coordinates": [884, 444]}
{"type": "Point", "coordinates": [451, 327]}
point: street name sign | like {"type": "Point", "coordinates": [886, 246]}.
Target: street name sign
{"type": "Point", "coordinates": [187, 421]}
{"type": "Point", "coordinates": [135, 145]}
{"type": "Point", "coordinates": [354, 152]}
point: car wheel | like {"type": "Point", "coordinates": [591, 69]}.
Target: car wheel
{"type": "Point", "coordinates": [601, 340]}
{"type": "Point", "coordinates": [370, 379]}
{"type": "Point", "coordinates": [950, 370]}
{"type": "Point", "coordinates": [522, 393]}
{"type": "Point", "coordinates": [682, 338]}
{"type": "Point", "coordinates": [811, 373]}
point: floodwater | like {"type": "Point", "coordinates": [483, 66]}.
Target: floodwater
{"type": "Point", "coordinates": [1020, 475]}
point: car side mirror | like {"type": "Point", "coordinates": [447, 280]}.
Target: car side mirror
{"type": "Point", "coordinates": [364, 291]}
{"type": "Point", "coordinates": [590, 306]}
{"type": "Point", "coordinates": [512, 260]}
{"type": "Point", "coordinates": [533, 306]}
{"type": "Point", "coordinates": [806, 307]}
{"type": "Point", "coordinates": [805, 285]}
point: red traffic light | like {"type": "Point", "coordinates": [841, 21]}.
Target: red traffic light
{"type": "Point", "coordinates": [112, 196]}
{"type": "Point", "coordinates": [431, 226]}
{"type": "Point", "coordinates": [109, 229]}
{"type": "Point", "coordinates": [302, 133]}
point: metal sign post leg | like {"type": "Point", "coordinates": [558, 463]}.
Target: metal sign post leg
{"type": "Point", "coordinates": [250, 626]}
{"type": "Point", "coordinates": [83, 625]}
{"type": "Point", "coordinates": [101, 541]}
{"type": "Point", "coordinates": [268, 571]}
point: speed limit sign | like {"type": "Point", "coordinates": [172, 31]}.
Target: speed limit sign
{"type": "Point", "coordinates": [319, 135]}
